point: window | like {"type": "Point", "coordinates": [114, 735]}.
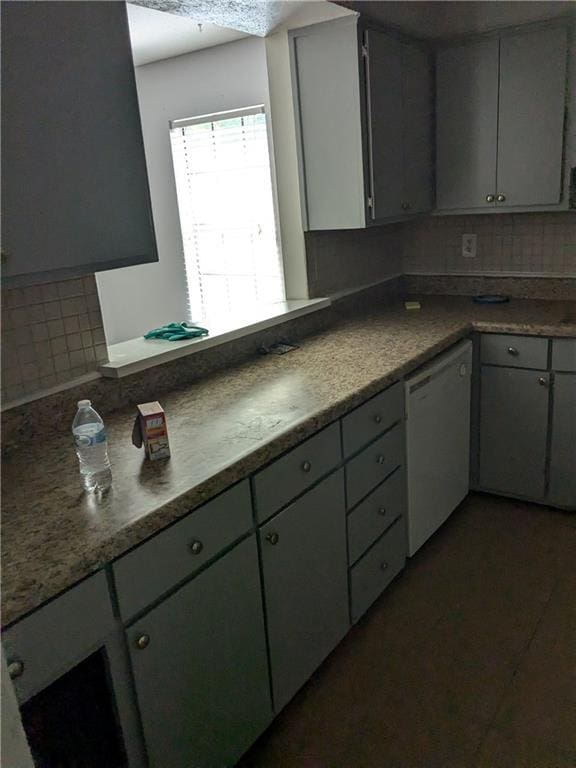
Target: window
{"type": "Point", "coordinates": [224, 188]}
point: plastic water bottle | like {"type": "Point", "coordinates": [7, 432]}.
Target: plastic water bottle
{"type": "Point", "coordinates": [91, 448]}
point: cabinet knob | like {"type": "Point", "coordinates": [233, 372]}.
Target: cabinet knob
{"type": "Point", "coordinates": [489, 198]}
{"type": "Point", "coordinates": [196, 546]}
{"type": "Point", "coordinates": [383, 566]}
{"type": "Point", "coordinates": [405, 206]}
{"type": "Point", "coordinates": [543, 381]}
{"type": "Point", "coordinates": [378, 418]}
{"type": "Point", "coordinates": [15, 669]}
{"type": "Point", "coordinates": [382, 511]}
{"type": "Point", "coordinates": [306, 466]}
{"type": "Point", "coordinates": [142, 641]}
{"type": "Point", "coordinates": [501, 198]}
{"type": "Point", "coordinates": [513, 351]}
{"type": "Point", "coordinates": [272, 538]}
{"type": "Point", "coordinates": [380, 459]}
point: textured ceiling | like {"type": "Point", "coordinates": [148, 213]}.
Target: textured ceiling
{"type": "Point", "coordinates": [438, 19]}
{"type": "Point", "coordinates": [255, 17]}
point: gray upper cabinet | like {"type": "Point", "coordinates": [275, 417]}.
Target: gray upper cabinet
{"type": "Point", "coordinates": [513, 431]}
{"type": "Point", "coordinates": [363, 122]}
{"type": "Point", "coordinates": [562, 490]}
{"type": "Point", "coordinates": [531, 117]}
{"type": "Point", "coordinates": [200, 666]}
{"type": "Point", "coordinates": [500, 122]}
{"type": "Point", "coordinates": [304, 564]}
{"type": "Point", "coordinates": [74, 184]}
{"type": "Point", "coordinates": [466, 125]}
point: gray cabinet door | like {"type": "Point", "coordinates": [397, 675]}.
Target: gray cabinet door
{"type": "Point", "coordinates": [531, 117]}
{"type": "Point", "coordinates": [306, 585]}
{"type": "Point", "coordinates": [384, 85]}
{"type": "Point", "coordinates": [562, 490]}
{"type": "Point", "coordinates": [417, 110]}
{"type": "Point", "coordinates": [466, 125]}
{"type": "Point", "coordinates": [202, 681]}
{"type": "Point", "coordinates": [74, 183]}
{"type": "Point", "coordinates": [513, 430]}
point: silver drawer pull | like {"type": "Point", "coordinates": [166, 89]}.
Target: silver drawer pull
{"type": "Point", "coordinates": [378, 418]}
{"type": "Point", "coordinates": [543, 381]}
{"type": "Point", "coordinates": [15, 669]}
{"type": "Point", "coordinates": [500, 198]}
{"type": "Point", "coordinates": [272, 538]}
{"type": "Point", "coordinates": [142, 641]}
{"type": "Point", "coordinates": [306, 466]}
{"type": "Point", "coordinates": [196, 547]}
{"type": "Point", "coordinates": [382, 511]}
{"type": "Point", "coordinates": [489, 198]}
{"type": "Point", "coordinates": [513, 351]}
{"type": "Point", "coordinates": [383, 566]}
{"type": "Point", "coordinates": [380, 459]}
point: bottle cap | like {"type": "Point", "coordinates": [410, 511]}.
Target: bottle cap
{"type": "Point", "coordinates": [84, 403]}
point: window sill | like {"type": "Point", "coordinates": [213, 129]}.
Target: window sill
{"type": "Point", "coordinates": [139, 354]}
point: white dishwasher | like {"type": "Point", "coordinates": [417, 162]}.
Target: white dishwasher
{"type": "Point", "coordinates": [438, 441]}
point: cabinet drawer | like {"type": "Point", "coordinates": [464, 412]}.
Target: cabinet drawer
{"type": "Point", "coordinates": [287, 477]}
{"type": "Point", "coordinates": [371, 466]}
{"type": "Point", "coordinates": [564, 355]}
{"type": "Point", "coordinates": [375, 514]}
{"type": "Point", "coordinates": [154, 567]}
{"type": "Point", "coordinates": [514, 351]}
{"type": "Point", "coordinates": [372, 418]}
{"type": "Point", "coordinates": [372, 574]}
{"type": "Point", "coordinates": [59, 635]}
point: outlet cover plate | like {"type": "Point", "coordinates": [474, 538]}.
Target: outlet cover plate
{"type": "Point", "coordinates": [469, 246]}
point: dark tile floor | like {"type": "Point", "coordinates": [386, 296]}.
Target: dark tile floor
{"type": "Point", "coordinates": [468, 659]}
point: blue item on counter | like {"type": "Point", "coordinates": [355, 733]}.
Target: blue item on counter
{"type": "Point", "coordinates": [176, 332]}
{"type": "Point", "coordinates": [491, 298]}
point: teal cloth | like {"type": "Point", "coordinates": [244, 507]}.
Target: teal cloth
{"type": "Point", "coordinates": [176, 332]}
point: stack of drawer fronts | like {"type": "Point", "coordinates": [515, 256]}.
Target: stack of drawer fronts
{"type": "Point", "coordinates": [374, 449]}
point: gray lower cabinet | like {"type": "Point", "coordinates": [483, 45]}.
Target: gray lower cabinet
{"type": "Point", "coordinates": [200, 666]}
{"type": "Point", "coordinates": [562, 488]}
{"type": "Point", "coordinates": [304, 565]}
{"type": "Point", "coordinates": [513, 431]}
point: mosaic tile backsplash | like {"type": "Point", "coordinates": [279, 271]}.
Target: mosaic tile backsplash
{"type": "Point", "coordinates": [51, 335]}
{"type": "Point", "coordinates": [507, 243]}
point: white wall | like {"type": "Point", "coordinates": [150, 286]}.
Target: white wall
{"type": "Point", "coordinates": [231, 76]}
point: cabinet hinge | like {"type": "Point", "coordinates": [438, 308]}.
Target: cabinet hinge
{"type": "Point", "coordinates": [365, 51]}
{"type": "Point", "coordinates": [370, 202]}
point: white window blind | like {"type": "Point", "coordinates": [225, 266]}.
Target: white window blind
{"type": "Point", "coordinates": [223, 183]}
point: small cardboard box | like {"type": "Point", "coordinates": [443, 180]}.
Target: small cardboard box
{"type": "Point", "coordinates": [150, 430]}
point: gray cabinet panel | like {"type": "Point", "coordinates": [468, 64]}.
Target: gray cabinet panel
{"type": "Point", "coordinates": [375, 514]}
{"type": "Point", "coordinates": [531, 116]}
{"type": "Point", "coordinates": [202, 682]}
{"type": "Point", "coordinates": [417, 112]}
{"type": "Point", "coordinates": [171, 556]}
{"type": "Point", "coordinates": [59, 635]}
{"type": "Point", "coordinates": [562, 490]}
{"type": "Point", "coordinates": [564, 355]}
{"type": "Point", "coordinates": [385, 124]}
{"type": "Point", "coordinates": [327, 93]}
{"type": "Point", "coordinates": [513, 431]}
{"type": "Point", "coordinates": [276, 485]}
{"type": "Point", "coordinates": [306, 585]}
{"type": "Point", "coordinates": [376, 462]}
{"type": "Point", "coordinates": [514, 351]}
{"type": "Point", "coordinates": [467, 119]}
{"type": "Point", "coordinates": [74, 183]}
{"type": "Point", "coordinates": [372, 574]}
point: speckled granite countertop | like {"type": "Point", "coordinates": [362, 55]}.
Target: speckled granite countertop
{"type": "Point", "coordinates": [221, 430]}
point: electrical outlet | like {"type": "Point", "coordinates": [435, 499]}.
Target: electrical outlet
{"type": "Point", "coordinates": [469, 246]}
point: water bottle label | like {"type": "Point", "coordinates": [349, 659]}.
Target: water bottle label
{"type": "Point", "coordinates": [83, 441]}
